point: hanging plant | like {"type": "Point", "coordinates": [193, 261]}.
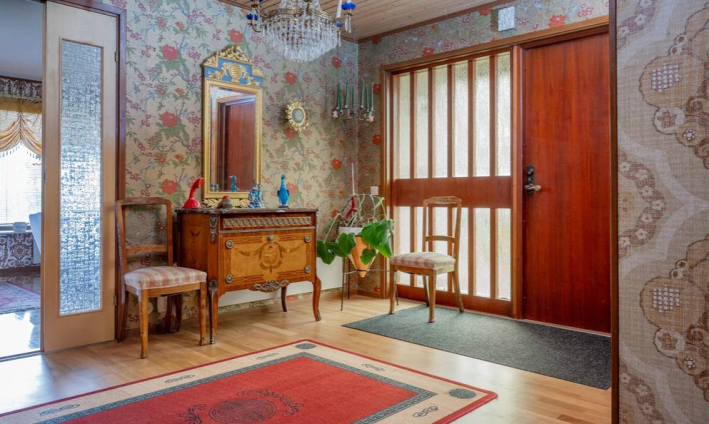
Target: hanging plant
{"type": "Point", "coordinates": [362, 217]}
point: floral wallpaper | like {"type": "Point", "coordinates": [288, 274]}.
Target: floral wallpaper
{"type": "Point", "coordinates": [451, 34]}
{"type": "Point", "coordinates": [167, 40]}
{"type": "Point", "coordinates": [166, 43]}
{"type": "Point", "coordinates": [663, 98]}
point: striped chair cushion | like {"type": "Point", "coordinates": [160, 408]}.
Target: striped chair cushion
{"type": "Point", "coordinates": [163, 276]}
{"type": "Point", "coordinates": [426, 260]}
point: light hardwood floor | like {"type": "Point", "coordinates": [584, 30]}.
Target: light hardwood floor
{"type": "Point", "coordinates": [523, 397]}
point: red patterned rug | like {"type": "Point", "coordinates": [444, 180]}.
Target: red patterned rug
{"type": "Point", "coordinates": [15, 298]}
{"type": "Point", "coordinates": [302, 382]}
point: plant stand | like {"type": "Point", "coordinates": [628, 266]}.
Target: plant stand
{"type": "Point", "coordinates": [346, 272]}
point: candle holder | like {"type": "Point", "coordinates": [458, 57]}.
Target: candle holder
{"type": "Point", "coordinates": [346, 107]}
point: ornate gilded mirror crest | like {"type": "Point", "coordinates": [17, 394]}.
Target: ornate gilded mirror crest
{"type": "Point", "coordinates": [231, 126]}
{"type": "Point", "coordinates": [232, 65]}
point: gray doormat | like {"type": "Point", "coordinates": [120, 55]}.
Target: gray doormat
{"type": "Point", "coordinates": [565, 354]}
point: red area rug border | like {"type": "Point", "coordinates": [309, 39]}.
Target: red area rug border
{"type": "Point", "coordinates": [447, 419]}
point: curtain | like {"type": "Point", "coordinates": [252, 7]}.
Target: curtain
{"type": "Point", "coordinates": [20, 123]}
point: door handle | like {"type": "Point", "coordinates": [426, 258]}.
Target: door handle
{"type": "Point", "coordinates": [530, 188]}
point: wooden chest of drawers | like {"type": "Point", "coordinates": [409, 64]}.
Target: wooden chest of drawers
{"type": "Point", "coordinates": [249, 249]}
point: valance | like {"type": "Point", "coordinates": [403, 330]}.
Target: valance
{"type": "Point", "coordinates": [14, 88]}
{"type": "Point", "coordinates": [20, 122]}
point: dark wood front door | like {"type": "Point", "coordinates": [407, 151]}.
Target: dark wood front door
{"type": "Point", "coordinates": [566, 136]}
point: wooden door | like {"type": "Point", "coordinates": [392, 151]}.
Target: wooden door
{"type": "Point", "coordinates": [451, 135]}
{"type": "Point", "coordinates": [79, 149]}
{"type": "Point", "coordinates": [566, 229]}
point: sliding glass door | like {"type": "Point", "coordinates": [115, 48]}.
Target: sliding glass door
{"type": "Point", "coordinates": [451, 134]}
{"type": "Point", "coordinates": [78, 231]}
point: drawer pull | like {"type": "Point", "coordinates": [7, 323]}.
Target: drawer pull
{"type": "Point", "coordinates": [307, 239]}
{"type": "Point", "coordinates": [229, 279]}
{"type": "Point", "coordinates": [307, 269]}
{"type": "Point", "coordinates": [270, 239]}
{"type": "Point", "coordinates": [230, 244]}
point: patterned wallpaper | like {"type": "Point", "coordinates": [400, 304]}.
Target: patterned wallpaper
{"type": "Point", "coordinates": [663, 54]}
{"type": "Point", "coordinates": [167, 40]}
{"type": "Point", "coordinates": [451, 34]}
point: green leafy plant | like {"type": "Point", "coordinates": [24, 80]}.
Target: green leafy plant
{"type": "Point", "coordinates": [364, 211]}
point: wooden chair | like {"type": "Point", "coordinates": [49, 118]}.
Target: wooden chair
{"type": "Point", "coordinates": [154, 281]}
{"type": "Point", "coordinates": [431, 264]}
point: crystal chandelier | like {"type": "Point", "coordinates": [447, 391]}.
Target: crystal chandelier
{"type": "Point", "coordinates": [299, 29]}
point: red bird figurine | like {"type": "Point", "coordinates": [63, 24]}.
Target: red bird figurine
{"type": "Point", "coordinates": [192, 203]}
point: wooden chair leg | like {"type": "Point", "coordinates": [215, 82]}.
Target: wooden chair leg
{"type": "Point", "coordinates": [178, 311]}
{"type": "Point", "coordinates": [123, 317]}
{"type": "Point", "coordinates": [283, 299]}
{"type": "Point", "coordinates": [425, 289]}
{"type": "Point", "coordinates": [203, 314]}
{"type": "Point", "coordinates": [392, 291]}
{"type": "Point", "coordinates": [143, 300]}
{"type": "Point", "coordinates": [431, 297]}
{"type": "Point", "coordinates": [456, 289]}
{"type": "Point", "coordinates": [167, 319]}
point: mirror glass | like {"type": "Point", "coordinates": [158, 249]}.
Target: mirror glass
{"type": "Point", "coordinates": [231, 126]}
{"type": "Point", "coordinates": [233, 139]}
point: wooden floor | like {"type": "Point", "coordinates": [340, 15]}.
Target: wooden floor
{"type": "Point", "coordinates": [523, 397]}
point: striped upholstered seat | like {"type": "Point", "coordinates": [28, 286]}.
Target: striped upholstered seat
{"type": "Point", "coordinates": [163, 276]}
{"type": "Point", "coordinates": [425, 260]}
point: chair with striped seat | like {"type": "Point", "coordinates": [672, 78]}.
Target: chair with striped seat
{"type": "Point", "coordinates": [154, 281]}
{"type": "Point", "coordinates": [432, 264]}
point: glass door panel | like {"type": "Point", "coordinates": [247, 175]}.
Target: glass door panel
{"type": "Point", "coordinates": [78, 224]}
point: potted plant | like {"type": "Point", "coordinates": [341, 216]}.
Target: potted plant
{"type": "Point", "coordinates": [364, 231]}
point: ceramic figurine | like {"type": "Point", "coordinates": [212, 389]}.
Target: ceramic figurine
{"type": "Point", "coordinates": [225, 203]}
{"type": "Point", "coordinates": [234, 188]}
{"type": "Point", "coordinates": [191, 202]}
{"type": "Point", "coordinates": [255, 200]}
{"type": "Point", "coordinates": [283, 193]}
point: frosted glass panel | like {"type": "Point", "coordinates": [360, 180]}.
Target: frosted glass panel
{"type": "Point", "coordinates": [482, 252]}
{"type": "Point", "coordinates": [481, 143]}
{"type": "Point", "coordinates": [417, 242]}
{"type": "Point", "coordinates": [440, 123]}
{"type": "Point", "coordinates": [403, 230]}
{"type": "Point", "coordinates": [504, 253]}
{"type": "Point", "coordinates": [503, 114]}
{"type": "Point", "coordinates": [422, 124]}
{"type": "Point", "coordinates": [80, 186]}
{"type": "Point", "coordinates": [464, 264]}
{"type": "Point", "coordinates": [460, 120]}
{"type": "Point", "coordinates": [440, 223]}
{"type": "Point", "coordinates": [403, 127]}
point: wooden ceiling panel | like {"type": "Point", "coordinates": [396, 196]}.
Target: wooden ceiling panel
{"type": "Point", "coordinates": [374, 17]}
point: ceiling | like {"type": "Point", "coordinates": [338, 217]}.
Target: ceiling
{"type": "Point", "coordinates": [379, 16]}
{"type": "Point", "coordinates": [21, 39]}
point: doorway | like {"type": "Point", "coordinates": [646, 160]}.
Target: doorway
{"type": "Point", "coordinates": [21, 157]}
{"type": "Point", "coordinates": [567, 175]}
{"type": "Point", "coordinates": [59, 179]}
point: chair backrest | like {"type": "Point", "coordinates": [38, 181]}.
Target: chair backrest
{"type": "Point", "coordinates": [125, 252]}
{"type": "Point", "coordinates": [448, 202]}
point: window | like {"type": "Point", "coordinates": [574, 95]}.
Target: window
{"type": "Point", "coordinates": [20, 168]}
{"type": "Point", "coordinates": [453, 136]}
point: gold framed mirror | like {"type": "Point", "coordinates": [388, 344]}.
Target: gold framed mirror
{"type": "Point", "coordinates": [231, 126]}
{"type": "Point", "coordinates": [297, 115]}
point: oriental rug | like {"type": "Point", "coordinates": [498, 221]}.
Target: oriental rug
{"type": "Point", "coordinates": [302, 382]}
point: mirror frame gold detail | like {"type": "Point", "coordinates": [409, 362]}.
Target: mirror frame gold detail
{"type": "Point", "coordinates": [229, 68]}
{"type": "Point", "coordinates": [290, 109]}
